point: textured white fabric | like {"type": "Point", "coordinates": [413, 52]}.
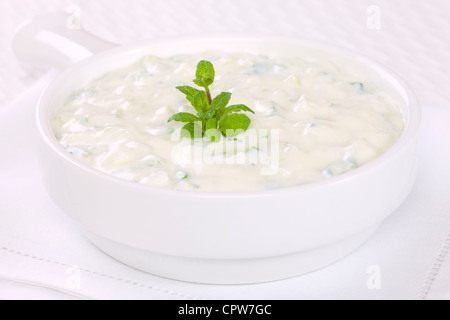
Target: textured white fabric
{"type": "Point", "coordinates": [413, 36]}
{"type": "Point", "coordinates": [43, 255]}
{"type": "Point", "coordinates": [437, 284]}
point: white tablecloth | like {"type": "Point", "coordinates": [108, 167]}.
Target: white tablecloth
{"type": "Point", "coordinates": [43, 255]}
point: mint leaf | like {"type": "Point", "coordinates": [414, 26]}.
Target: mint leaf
{"type": "Point", "coordinates": [211, 130]}
{"type": "Point", "coordinates": [233, 124]}
{"type": "Point", "coordinates": [189, 92]}
{"type": "Point", "coordinates": [192, 130]}
{"type": "Point", "coordinates": [211, 124]}
{"type": "Point", "coordinates": [188, 130]}
{"type": "Point", "coordinates": [203, 116]}
{"type": "Point", "coordinates": [219, 103]}
{"type": "Point", "coordinates": [205, 74]}
{"type": "Point", "coordinates": [183, 117]}
{"type": "Point", "coordinates": [201, 103]}
{"type": "Point", "coordinates": [237, 108]}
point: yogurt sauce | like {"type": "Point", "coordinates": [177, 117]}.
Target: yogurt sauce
{"type": "Point", "coordinates": [329, 116]}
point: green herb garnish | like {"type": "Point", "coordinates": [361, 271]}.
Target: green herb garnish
{"type": "Point", "coordinates": [213, 117]}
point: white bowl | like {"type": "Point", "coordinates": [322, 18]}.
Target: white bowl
{"type": "Point", "coordinates": [247, 237]}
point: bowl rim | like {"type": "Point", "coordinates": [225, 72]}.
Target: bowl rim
{"type": "Point", "coordinates": [408, 96]}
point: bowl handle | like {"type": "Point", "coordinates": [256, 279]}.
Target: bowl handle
{"type": "Point", "coordinates": [55, 40]}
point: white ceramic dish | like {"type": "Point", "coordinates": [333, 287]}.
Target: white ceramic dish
{"type": "Point", "coordinates": [249, 237]}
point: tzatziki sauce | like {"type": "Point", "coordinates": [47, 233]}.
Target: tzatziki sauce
{"type": "Point", "coordinates": [316, 117]}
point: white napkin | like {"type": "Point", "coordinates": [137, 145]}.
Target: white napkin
{"type": "Point", "coordinates": [437, 285]}
{"type": "Point", "coordinates": [43, 255]}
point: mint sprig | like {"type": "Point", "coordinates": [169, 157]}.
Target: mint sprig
{"type": "Point", "coordinates": [205, 76]}
{"type": "Point", "coordinates": [213, 117]}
